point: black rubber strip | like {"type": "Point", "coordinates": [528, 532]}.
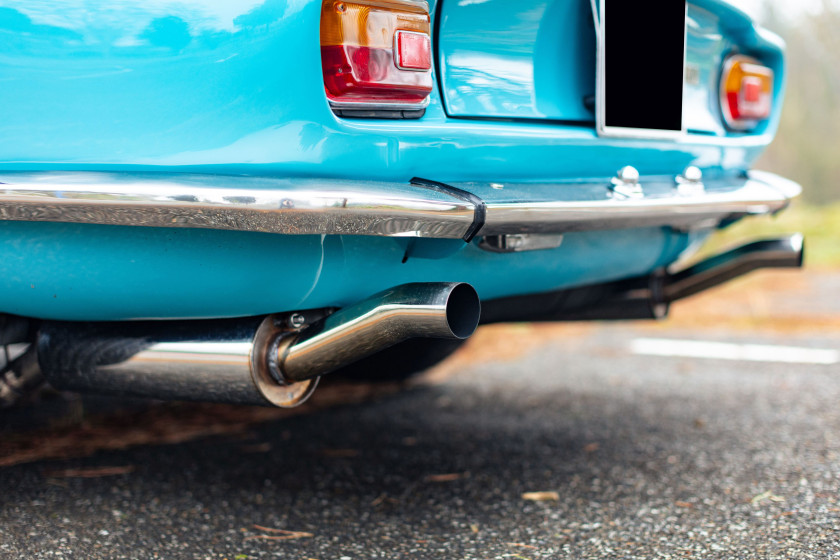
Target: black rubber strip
{"type": "Point", "coordinates": [480, 212]}
{"type": "Point", "coordinates": [436, 53]}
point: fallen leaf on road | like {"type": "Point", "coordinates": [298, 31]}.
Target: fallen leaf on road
{"type": "Point", "coordinates": [280, 537]}
{"type": "Point", "coordinates": [521, 545]}
{"type": "Point", "coordinates": [541, 496]}
{"type": "Point", "coordinates": [449, 477]}
{"type": "Point", "coordinates": [94, 472]}
{"type": "Point", "coordinates": [766, 496]}
{"type": "Point", "coordinates": [382, 498]}
{"type": "Point", "coordinates": [283, 536]}
{"type": "Point", "coordinates": [684, 504]}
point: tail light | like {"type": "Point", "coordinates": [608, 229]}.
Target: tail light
{"type": "Point", "coordinates": [746, 93]}
{"type": "Point", "coordinates": [376, 56]}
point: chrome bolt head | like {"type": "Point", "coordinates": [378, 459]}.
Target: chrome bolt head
{"type": "Point", "coordinates": [296, 320]}
{"type": "Point", "coordinates": [628, 175]}
{"type": "Point", "coordinates": [692, 174]}
{"type": "Point", "coordinates": [690, 183]}
{"type": "Point", "coordinates": [626, 183]}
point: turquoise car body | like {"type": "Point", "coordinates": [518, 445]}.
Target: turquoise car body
{"type": "Point", "coordinates": [235, 88]}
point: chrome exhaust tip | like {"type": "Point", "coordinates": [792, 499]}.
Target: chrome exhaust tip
{"type": "Point", "coordinates": [781, 252]}
{"type": "Point", "coordinates": [450, 310]}
{"type": "Point", "coordinates": [649, 296]}
{"type": "Point", "coordinates": [275, 360]}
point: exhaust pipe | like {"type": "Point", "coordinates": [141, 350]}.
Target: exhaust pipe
{"type": "Point", "coordinates": [650, 296]}
{"type": "Point", "coordinates": [388, 318]}
{"type": "Point", "coordinates": [784, 252]}
{"type": "Point", "coordinates": [267, 360]}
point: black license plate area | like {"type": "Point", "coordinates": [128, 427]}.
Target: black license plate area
{"type": "Point", "coordinates": [641, 68]}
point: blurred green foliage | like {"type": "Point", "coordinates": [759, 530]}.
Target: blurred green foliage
{"type": "Point", "coordinates": [819, 222]}
{"type": "Point", "coordinates": [807, 148]}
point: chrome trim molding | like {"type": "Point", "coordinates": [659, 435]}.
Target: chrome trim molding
{"type": "Point", "coordinates": [337, 207]}
{"type": "Point", "coordinates": [380, 106]}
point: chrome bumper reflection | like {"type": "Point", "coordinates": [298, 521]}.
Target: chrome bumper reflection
{"type": "Point", "coordinates": [335, 207]}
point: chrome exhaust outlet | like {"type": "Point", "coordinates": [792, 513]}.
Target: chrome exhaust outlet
{"type": "Point", "coordinates": [388, 318]}
{"type": "Point", "coordinates": [649, 296]}
{"type": "Point", "coordinates": [274, 360]}
{"type": "Point", "coordinates": [783, 252]}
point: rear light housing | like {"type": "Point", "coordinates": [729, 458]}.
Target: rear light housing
{"type": "Point", "coordinates": [746, 95]}
{"type": "Point", "coordinates": [376, 57]}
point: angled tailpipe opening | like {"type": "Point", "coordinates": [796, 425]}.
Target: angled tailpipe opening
{"type": "Point", "coordinates": [782, 252]}
{"type": "Point", "coordinates": [259, 360]}
{"type": "Point", "coordinates": [648, 296]}
{"type": "Point", "coordinates": [450, 310]}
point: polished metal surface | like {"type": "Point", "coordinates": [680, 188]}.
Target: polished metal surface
{"type": "Point", "coordinates": [299, 206]}
{"type": "Point", "coordinates": [447, 310]}
{"type": "Point", "coordinates": [215, 361]}
{"type": "Point", "coordinates": [563, 208]}
{"type": "Point", "coordinates": [690, 183]}
{"type": "Point", "coordinates": [520, 243]}
{"type": "Point", "coordinates": [384, 106]}
{"type": "Point", "coordinates": [328, 207]}
{"type": "Point", "coordinates": [784, 252]}
{"type": "Point", "coordinates": [265, 360]}
{"type": "Point", "coordinates": [626, 183]}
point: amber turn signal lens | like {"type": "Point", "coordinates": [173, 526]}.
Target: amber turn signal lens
{"type": "Point", "coordinates": [376, 53]}
{"type": "Point", "coordinates": [746, 93]}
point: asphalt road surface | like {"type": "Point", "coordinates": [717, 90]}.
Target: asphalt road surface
{"type": "Point", "coordinates": [542, 443]}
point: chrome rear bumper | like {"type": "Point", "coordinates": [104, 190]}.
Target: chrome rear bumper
{"type": "Point", "coordinates": [415, 209]}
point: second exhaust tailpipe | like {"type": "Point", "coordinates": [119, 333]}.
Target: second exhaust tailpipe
{"type": "Point", "coordinates": [247, 361]}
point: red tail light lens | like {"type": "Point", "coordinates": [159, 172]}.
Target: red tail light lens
{"type": "Point", "coordinates": [413, 50]}
{"type": "Point", "coordinates": [746, 93]}
{"type": "Point", "coordinates": [376, 54]}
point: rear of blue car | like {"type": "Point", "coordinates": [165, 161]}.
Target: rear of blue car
{"type": "Point", "coordinates": [225, 200]}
